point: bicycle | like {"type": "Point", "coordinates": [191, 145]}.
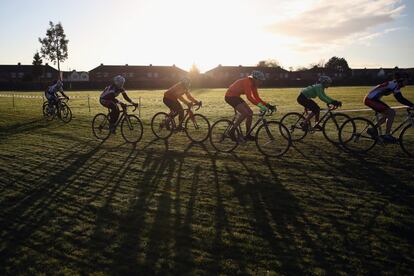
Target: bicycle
{"type": "Point", "coordinates": [354, 134]}
{"type": "Point", "coordinates": [196, 126]}
{"type": "Point", "coordinates": [272, 137]}
{"type": "Point", "coordinates": [329, 124]}
{"type": "Point", "coordinates": [131, 126]}
{"type": "Point", "coordinates": [61, 109]}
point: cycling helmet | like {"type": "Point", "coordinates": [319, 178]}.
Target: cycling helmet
{"type": "Point", "coordinates": [325, 80]}
{"type": "Point", "coordinates": [186, 82]}
{"type": "Point", "coordinates": [257, 75]}
{"type": "Point", "coordinates": [119, 81]}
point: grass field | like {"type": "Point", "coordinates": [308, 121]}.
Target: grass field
{"type": "Point", "coordinates": [70, 204]}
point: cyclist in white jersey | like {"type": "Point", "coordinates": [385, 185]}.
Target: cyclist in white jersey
{"type": "Point", "coordinates": [373, 100]}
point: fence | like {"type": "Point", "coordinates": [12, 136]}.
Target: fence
{"type": "Point", "coordinates": [87, 98]}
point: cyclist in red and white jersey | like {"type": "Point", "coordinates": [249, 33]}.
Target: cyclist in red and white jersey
{"type": "Point", "coordinates": [108, 99]}
{"type": "Point", "coordinates": [373, 100]}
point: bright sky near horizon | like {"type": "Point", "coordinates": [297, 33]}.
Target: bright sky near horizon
{"type": "Point", "coordinates": [368, 33]}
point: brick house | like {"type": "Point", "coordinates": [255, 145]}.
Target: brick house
{"type": "Point", "coordinates": [133, 73]}
{"type": "Point", "coordinates": [27, 73]}
{"type": "Point", "coordinates": [231, 73]}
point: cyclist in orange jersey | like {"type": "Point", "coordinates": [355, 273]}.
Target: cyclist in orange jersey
{"type": "Point", "coordinates": [247, 86]}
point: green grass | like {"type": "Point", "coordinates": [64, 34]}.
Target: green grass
{"type": "Point", "coordinates": [72, 205]}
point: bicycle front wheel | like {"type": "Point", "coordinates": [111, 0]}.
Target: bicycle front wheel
{"type": "Point", "coordinates": [354, 136]}
{"type": "Point", "coordinates": [65, 114]}
{"type": "Point", "coordinates": [407, 140]}
{"type": "Point", "coordinates": [294, 121]}
{"type": "Point", "coordinates": [332, 125]}
{"type": "Point", "coordinates": [132, 129]}
{"type": "Point", "coordinates": [197, 128]}
{"type": "Point", "coordinates": [220, 136]}
{"type": "Point", "coordinates": [273, 139]}
{"type": "Point", "coordinates": [100, 126]}
{"type": "Point", "coordinates": [162, 125]}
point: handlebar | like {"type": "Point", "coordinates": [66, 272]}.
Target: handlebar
{"type": "Point", "coordinates": [268, 112]}
{"type": "Point", "coordinates": [198, 106]}
{"type": "Point", "coordinates": [332, 107]}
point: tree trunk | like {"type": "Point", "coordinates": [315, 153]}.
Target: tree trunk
{"type": "Point", "coordinates": [59, 69]}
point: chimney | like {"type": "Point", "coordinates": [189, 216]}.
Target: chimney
{"type": "Point", "coordinates": [126, 64]}
{"type": "Point", "coordinates": [101, 64]}
{"type": "Point", "coordinates": [19, 64]}
{"type": "Point", "coordinates": [151, 64]}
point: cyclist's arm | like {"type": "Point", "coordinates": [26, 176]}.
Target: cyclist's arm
{"type": "Point", "coordinates": [248, 90]}
{"type": "Point", "coordinates": [124, 94]}
{"type": "Point", "coordinates": [400, 98]}
{"type": "Point", "coordinates": [190, 97]}
{"type": "Point", "coordinates": [181, 98]}
{"type": "Point", "coordinates": [63, 93]}
{"type": "Point", "coordinates": [325, 98]}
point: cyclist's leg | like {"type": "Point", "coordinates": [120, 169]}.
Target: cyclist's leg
{"type": "Point", "coordinates": [387, 113]}
{"type": "Point", "coordinates": [113, 112]}
{"type": "Point", "coordinates": [309, 105]}
{"type": "Point", "coordinates": [175, 108]}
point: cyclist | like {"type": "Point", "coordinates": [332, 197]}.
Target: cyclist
{"type": "Point", "coordinates": [176, 93]}
{"type": "Point", "coordinates": [313, 91]}
{"type": "Point", "coordinates": [51, 93]}
{"type": "Point", "coordinates": [108, 99]}
{"type": "Point", "coordinates": [373, 100]}
{"type": "Point", "coordinates": [247, 86]}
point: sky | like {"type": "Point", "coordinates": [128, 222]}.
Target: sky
{"type": "Point", "coordinates": [296, 33]}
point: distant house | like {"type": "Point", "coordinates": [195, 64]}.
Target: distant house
{"type": "Point", "coordinates": [231, 73]}
{"type": "Point", "coordinates": [75, 76]}
{"type": "Point", "coordinates": [27, 73]}
{"type": "Point", "coordinates": [313, 74]}
{"type": "Point", "coordinates": [105, 73]}
{"type": "Point", "coordinates": [376, 73]}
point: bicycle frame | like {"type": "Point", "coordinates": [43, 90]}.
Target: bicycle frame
{"type": "Point", "coordinates": [261, 119]}
{"type": "Point", "coordinates": [321, 120]}
{"type": "Point", "coordinates": [409, 119]}
{"type": "Point", "coordinates": [188, 112]}
{"type": "Point", "coordinates": [123, 115]}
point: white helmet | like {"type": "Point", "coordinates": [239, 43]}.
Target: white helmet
{"type": "Point", "coordinates": [119, 81]}
{"type": "Point", "coordinates": [257, 75]}
{"type": "Point", "coordinates": [186, 82]}
{"type": "Point", "coordinates": [59, 84]}
{"type": "Point", "coordinates": [325, 80]}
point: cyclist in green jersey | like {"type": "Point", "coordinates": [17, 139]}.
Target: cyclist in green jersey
{"type": "Point", "coordinates": [313, 91]}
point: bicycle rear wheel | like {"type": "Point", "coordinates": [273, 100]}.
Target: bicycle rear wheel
{"type": "Point", "coordinates": [220, 138]}
{"type": "Point", "coordinates": [65, 114]}
{"type": "Point", "coordinates": [162, 125]}
{"type": "Point", "coordinates": [197, 128]}
{"type": "Point", "coordinates": [273, 139]}
{"type": "Point", "coordinates": [331, 126]}
{"type": "Point", "coordinates": [354, 137]}
{"type": "Point", "coordinates": [132, 129]}
{"type": "Point", "coordinates": [48, 112]}
{"type": "Point", "coordinates": [293, 121]}
{"type": "Point", "coordinates": [100, 126]}
{"type": "Point", "coordinates": [407, 140]}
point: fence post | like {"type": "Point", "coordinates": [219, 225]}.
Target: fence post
{"type": "Point", "coordinates": [139, 107]}
{"type": "Point", "coordinates": [13, 100]}
{"type": "Point", "coordinates": [89, 104]}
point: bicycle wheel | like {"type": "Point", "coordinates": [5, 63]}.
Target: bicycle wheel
{"type": "Point", "coordinates": [354, 137]}
{"type": "Point", "coordinates": [65, 114]}
{"type": "Point", "coordinates": [407, 140]}
{"type": "Point", "coordinates": [220, 138]}
{"type": "Point", "coordinates": [100, 126]}
{"type": "Point", "coordinates": [48, 112]}
{"type": "Point", "coordinates": [132, 129]}
{"type": "Point", "coordinates": [273, 139]}
{"type": "Point", "coordinates": [331, 126]}
{"type": "Point", "coordinates": [162, 125]}
{"type": "Point", "coordinates": [197, 128]}
{"type": "Point", "coordinates": [292, 121]}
